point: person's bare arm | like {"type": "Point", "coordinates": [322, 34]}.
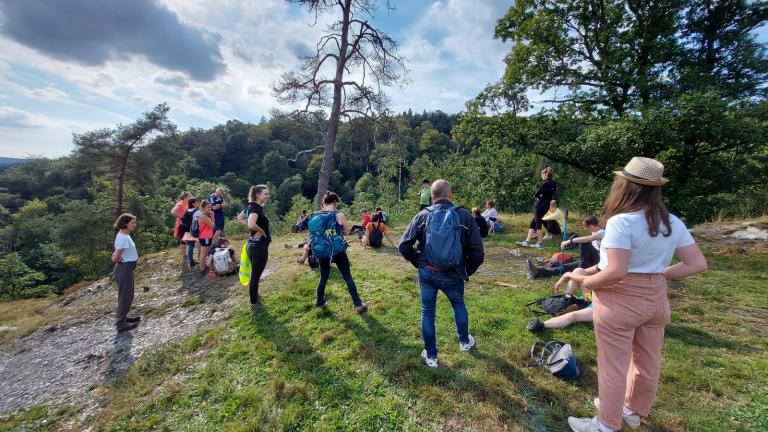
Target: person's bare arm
{"type": "Point", "coordinates": [575, 277]}
{"type": "Point", "coordinates": [584, 239]}
{"type": "Point", "coordinates": [241, 218]}
{"type": "Point", "coordinates": [342, 220]}
{"type": "Point", "coordinates": [117, 255]}
{"type": "Point", "coordinates": [205, 220]}
{"type": "Point", "coordinates": [175, 210]}
{"type": "Point", "coordinates": [692, 261]}
{"type": "Point", "coordinates": [618, 265]}
{"type": "Point", "coordinates": [389, 237]}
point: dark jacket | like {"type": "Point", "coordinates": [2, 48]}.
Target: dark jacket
{"type": "Point", "coordinates": [546, 193]}
{"type": "Point", "coordinates": [471, 243]}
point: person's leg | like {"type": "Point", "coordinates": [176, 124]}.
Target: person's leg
{"type": "Point", "coordinates": [614, 352]}
{"type": "Point", "coordinates": [203, 257]}
{"type": "Point", "coordinates": [553, 227]}
{"type": "Point", "coordinates": [325, 273]}
{"type": "Point", "coordinates": [645, 370]}
{"type": "Point", "coordinates": [428, 294]}
{"type": "Point", "coordinates": [574, 286]}
{"type": "Point", "coordinates": [125, 288]}
{"type": "Point", "coordinates": [342, 263]}
{"type": "Point", "coordinates": [454, 290]}
{"type": "Point", "coordinates": [531, 230]}
{"type": "Point", "coordinates": [258, 253]}
{"type": "Point", "coordinates": [183, 249]}
{"type": "Point", "coordinates": [191, 252]}
{"type": "Point", "coordinates": [562, 321]}
{"type": "Point", "coordinates": [588, 255]}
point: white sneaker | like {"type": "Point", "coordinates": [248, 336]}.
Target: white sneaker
{"type": "Point", "coordinates": [467, 346]}
{"type": "Point", "coordinates": [524, 243]}
{"type": "Point", "coordinates": [431, 362]}
{"type": "Point", "coordinates": [547, 236]}
{"type": "Point", "coordinates": [539, 245]}
{"type": "Point", "coordinates": [583, 424]}
{"type": "Point", "coordinates": [631, 420]}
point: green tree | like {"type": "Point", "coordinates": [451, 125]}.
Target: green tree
{"type": "Point", "coordinates": [18, 279]}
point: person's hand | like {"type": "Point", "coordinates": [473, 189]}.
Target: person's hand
{"type": "Point", "coordinates": [564, 278]}
{"type": "Point", "coordinates": [565, 243]}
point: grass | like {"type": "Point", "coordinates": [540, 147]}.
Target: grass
{"type": "Point", "coordinates": [293, 368]}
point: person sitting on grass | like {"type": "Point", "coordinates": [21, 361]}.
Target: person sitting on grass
{"type": "Point", "coordinates": [373, 239]}
{"type": "Point", "coordinates": [574, 285]}
{"type": "Point", "coordinates": [553, 221]}
{"type": "Point", "coordinates": [482, 224]}
{"type": "Point", "coordinates": [491, 215]}
{"type": "Point", "coordinates": [589, 252]}
{"type": "Point", "coordinates": [222, 259]}
{"type": "Point", "coordinates": [360, 229]}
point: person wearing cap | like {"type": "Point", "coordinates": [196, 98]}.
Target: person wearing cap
{"type": "Point", "coordinates": [630, 294]}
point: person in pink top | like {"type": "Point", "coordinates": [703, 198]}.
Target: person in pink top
{"type": "Point", "coordinates": [205, 222]}
{"type": "Point", "coordinates": [179, 229]}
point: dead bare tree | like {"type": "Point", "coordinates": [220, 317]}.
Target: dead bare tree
{"type": "Point", "coordinates": [352, 62]}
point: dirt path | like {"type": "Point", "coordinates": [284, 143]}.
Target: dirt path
{"type": "Point", "coordinates": [65, 360]}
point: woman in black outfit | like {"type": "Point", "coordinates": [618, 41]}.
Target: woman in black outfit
{"type": "Point", "coordinates": [542, 197]}
{"type": "Point", "coordinates": [258, 241]}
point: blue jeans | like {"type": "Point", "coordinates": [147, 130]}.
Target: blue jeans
{"type": "Point", "coordinates": [430, 282]}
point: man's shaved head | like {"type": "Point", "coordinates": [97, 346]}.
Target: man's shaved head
{"type": "Point", "coordinates": [441, 189]}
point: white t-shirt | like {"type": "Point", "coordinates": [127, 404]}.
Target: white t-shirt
{"type": "Point", "coordinates": [490, 213]}
{"type": "Point", "coordinates": [125, 242]}
{"type": "Point", "coordinates": [648, 254]}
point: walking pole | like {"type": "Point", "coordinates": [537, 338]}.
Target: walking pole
{"type": "Point", "coordinates": [565, 236]}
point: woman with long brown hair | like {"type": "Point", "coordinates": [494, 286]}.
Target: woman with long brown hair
{"type": "Point", "coordinates": [630, 293]}
{"type": "Point", "coordinates": [179, 228]}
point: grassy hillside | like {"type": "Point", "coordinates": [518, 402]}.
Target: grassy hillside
{"type": "Point", "coordinates": [292, 367]}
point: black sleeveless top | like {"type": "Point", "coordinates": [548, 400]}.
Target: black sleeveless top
{"type": "Point", "coordinates": [262, 221]}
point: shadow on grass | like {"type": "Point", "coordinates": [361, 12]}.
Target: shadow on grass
{"type": "Point", "coordinates": [401, 363]}
{"type": "Point", "coordinates": [700, 338]}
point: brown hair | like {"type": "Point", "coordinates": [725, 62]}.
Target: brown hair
{"type": "Point", "coordinates": [475, 211]}
{"type": "Point", "coordinates": [424, 181]}
{"type": "Point", "coordinates": [490, 203]}
{"type": "Point", "coordinates": [204, 204]}
{"type": "Point", "coordinates": [553, 203]}
{"type": "Point", "coordinates": [330, 198]}
{"type": "Point", "coordinates": [184, 195]}
{"type": "Point", "coordinates": [548, 172]}
{"type": "Point", "coordinates": [590, 220]}
{"type": "Point", "coordinates": [626, 197]}
{"type": "Point", "coordinates": [123, 220]}
{"type": "Point", "coordinates": [191, 202]}
{"type": "Point", "coordinates": [255, 192]}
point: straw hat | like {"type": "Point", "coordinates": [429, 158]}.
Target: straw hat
{"type": "Point", "coordinates": [644, 171]}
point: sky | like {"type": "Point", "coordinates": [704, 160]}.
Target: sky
{"type": "Point", "coordinates": [70, 66]}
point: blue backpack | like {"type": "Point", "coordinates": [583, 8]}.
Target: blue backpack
{"type": "Point", "coordinates": [443, 237]}
{"type": "Point", "coordinates": [326, 241]}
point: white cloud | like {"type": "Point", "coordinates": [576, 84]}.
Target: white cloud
{"type": "Point", "coordinates": [49, 94]}
{"type": "Point", "coordinates": [15, 118]}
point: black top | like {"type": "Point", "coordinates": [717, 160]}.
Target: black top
{"type": "Point", "coordinates": [482, 225]}
{"type": "Point", "coordinates": [545, 194]}
{"type": "Point", "coordinates": [262, 221]}
{"type": "Point", "coordinates": [471, 244]}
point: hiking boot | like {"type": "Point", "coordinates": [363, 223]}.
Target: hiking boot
{"type": "Point", "coordinates": [539, 245]}
{"type": "Point", "coordinates": [533, 271]}
{"type": "Point", "coordinates": [125, 326]}
{"type": "Point", "coordinates": [534, 325]}
{"type": "Point", "coordinates": [361, 309]}
{"type": "Point", "coordinates": [135, 319]}
{"type": "Point", "coordinates": [464, 347]}
{"type": "Point", "coordinates": [584, 424]}
{"type": "Point", "coordinates": [431, 362]}
{"type": "Point", "coordinates": [257, 306]}
{"type": "Point", "coordinates": [631, 420]}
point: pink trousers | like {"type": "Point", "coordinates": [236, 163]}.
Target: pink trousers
{"type": "Point", "coordinates": [629, 320]}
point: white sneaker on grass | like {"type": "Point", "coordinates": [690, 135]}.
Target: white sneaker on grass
{"type": "Point", "coordinates": [525, 243]}
{"type": "Point", "coordinates": [539, 245]}
{"type": "Point", "coordinates": [547, 236]}
{"type": "Point", "coordinates": [431, 362]}
{"type": "Point", "coordinates": [584, 424]}
{"type": "Point", "coordinates": [631, 420]}
{"type": "Point", "coordinates": [467, 346]}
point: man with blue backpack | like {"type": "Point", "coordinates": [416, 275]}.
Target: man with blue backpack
{"type": "Point", "coordinates": [449, 250]}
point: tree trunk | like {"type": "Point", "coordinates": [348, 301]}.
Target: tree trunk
{"type": "Point", "coordinates": [121, 182]}
{"type": "Point", "coordinates": [333, 127]}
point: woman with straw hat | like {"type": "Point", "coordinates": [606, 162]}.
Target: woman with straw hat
{"type": "Point", "coordinates": [630, 293]}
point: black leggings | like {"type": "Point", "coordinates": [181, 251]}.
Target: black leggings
{"type": "Point", "coordinates": [258, 253]}
{"type": "Point", "coordinates": [552, 226]}
{"type": "Point", "coordinates": [588, 257]}
{"type": "Point", "coordinates": [342, 262]}
{"type": "Point", "coordinates": [538, 215]}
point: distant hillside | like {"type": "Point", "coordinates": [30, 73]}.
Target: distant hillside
{"type": "Point", "coordinates": [5, 161]}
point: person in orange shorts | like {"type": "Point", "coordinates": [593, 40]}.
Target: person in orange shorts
{"type": "Point", "coordinates": [630, 294]}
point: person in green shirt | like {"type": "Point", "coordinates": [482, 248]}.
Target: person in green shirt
{"type": "Point", "coordinates": [424, 196]}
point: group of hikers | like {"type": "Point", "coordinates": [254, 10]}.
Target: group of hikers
{"type": "Point", "coordinates": [623, 269]}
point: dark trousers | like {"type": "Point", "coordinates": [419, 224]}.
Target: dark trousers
{"type": "Point", "coordinates": [124, 278]}
{"type": "Point", "coordinates": [258, 253]}
{"type": "Point", "coordinates": [552, 226]}
{"type": "Point", "coordinates": [538, 215]}
{"type": "Point", "coordinates": [342, 263]}
{"type": "Point", "coordinates": [588, 257]}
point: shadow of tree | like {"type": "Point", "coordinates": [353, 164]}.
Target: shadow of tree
{"type": "Point", "coordinates": [700, 338]}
